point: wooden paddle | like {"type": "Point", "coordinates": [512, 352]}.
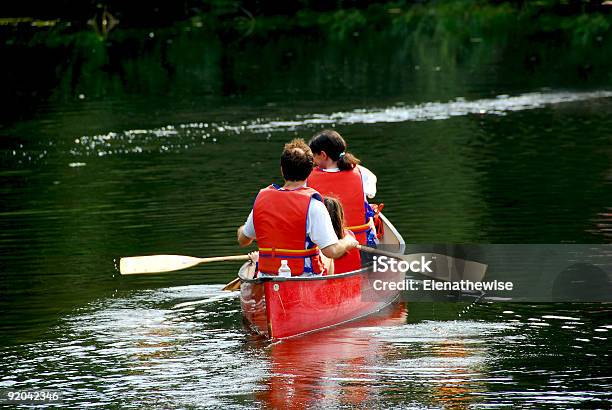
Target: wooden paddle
{"type": "Point", "coordinates": [246, 271]}
{"type": "Point", "coordinates": [167, 263]}
{"type": "Point", "coordinates": [233, 285]}
{"type": "Point", "coordinates": [446, 268]}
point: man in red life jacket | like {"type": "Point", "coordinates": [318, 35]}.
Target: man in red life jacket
{"type": "Point", "coordinates": [290, 222]}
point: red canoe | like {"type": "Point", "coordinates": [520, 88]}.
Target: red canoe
{"type": "Point", "coordinates": [279, 308]}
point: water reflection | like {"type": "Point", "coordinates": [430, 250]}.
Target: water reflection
{"type": "Point", "coordinates": [329, 368]}
{"type": "Point", "coordinates": [138, 349]}
{"type": "Point", "coordinates": [455, 392]}
{"type": "Point", "coordinates": [382, 359]}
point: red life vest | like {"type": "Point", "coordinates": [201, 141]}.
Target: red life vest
{"type": "Point", "coordinates": [350, 261]}
{"type": "Point", "coordinates": [279, 217]}
{"type": "Point", "coordinates": [347, 186]}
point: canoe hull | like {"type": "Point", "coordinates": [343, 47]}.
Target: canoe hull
{"type": "Point", "coordinates": [285, 308]}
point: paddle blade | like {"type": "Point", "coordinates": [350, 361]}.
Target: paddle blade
{"type": "Point", "coordinates": [448, 268]}
{"type": "Point", "coordinates": [156, 263]}
{"type": "Point", "coordinates": [233, 285]}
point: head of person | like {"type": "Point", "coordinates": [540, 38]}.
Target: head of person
{"type": "Point", "coordinates": [296, 160]}
{"type": "Point", "coordinates": [329, 150]}
{"type": "Point", "coordinates": [336, 212]}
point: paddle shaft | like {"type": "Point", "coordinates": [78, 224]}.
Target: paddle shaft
{"type": "Point", "coordinates": [225, 258]}
{"type": "Point", "coordinates": [381, 252]}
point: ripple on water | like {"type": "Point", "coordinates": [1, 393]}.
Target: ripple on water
{"type": "Point", "coordinates": [182, 137]}
{"type": "Point", "coordinates": [119, 350]}
{"type": "Point", "coordinates": [129, 347]}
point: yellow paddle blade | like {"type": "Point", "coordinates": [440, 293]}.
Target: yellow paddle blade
{"type": "Point", "coordinates": [233, 285]}
{"type": "Point", "coordinates": [156, 263]}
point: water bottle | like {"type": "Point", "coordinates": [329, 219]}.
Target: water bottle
{"type": "Point", "coordinates": [284, 271]}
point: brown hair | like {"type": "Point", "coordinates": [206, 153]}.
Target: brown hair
{"type": "Point", "coordinates": [335, 147]}
{"type": "Point", "coordinates": [336, 212]}
{"type": "Point", "coordinates": [296, 160]}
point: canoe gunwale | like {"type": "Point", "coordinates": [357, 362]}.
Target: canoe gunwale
{"type": "Point", "coordinates": [264, 279]}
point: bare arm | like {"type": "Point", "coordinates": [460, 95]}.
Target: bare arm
{"type": "Point", "coordinates": [243, 240]}
{"type": "Point", "coordinates": [328, 263]}
{"type": "Point", "coordinates": [339, 248]}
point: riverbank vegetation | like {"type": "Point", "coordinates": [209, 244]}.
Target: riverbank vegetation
{"type": "Point", "coordinates": [222, 47]}
{"type": "Point", "coordinates": [579, 22]}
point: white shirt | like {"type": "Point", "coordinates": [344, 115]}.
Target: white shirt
{"type": "Point", "coordinates": [319, 226]}
{"type": "Point", "coordinates": [367, 178]}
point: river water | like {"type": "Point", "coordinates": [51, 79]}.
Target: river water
{"type": "Point", "coordinates": [171, 164]}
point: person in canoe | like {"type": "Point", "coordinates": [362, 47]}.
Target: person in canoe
{"type": "Point", "coordinates": [351, 260]}
{"type": "Point", "coordinates": [291, 223]}
{"type": "Point", "coordinates": [339, 174]}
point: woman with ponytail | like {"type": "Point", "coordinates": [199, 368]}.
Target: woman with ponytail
{"type": "Point", "coordinates": [338, 173]}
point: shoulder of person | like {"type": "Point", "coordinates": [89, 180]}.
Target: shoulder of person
{"type": "Point", "coordinates": [365, 171]}
{"type": "Point", "coordinates": [367, 175]}
{"type": "Point", "coordinates": [317, 205]}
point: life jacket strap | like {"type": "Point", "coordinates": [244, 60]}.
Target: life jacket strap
{"type": "Point", "coordinates": [288, 253]}
{"type": "Point", "coordinates": [360, 228]}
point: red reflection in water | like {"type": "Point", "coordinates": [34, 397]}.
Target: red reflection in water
{"type": "Point", "coordinates": [327, 367]}
{"type": "Point", "coordinates": [453, 393]}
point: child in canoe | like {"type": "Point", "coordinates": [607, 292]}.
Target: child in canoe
{"type": "Point", "coordinates": [352, 259]}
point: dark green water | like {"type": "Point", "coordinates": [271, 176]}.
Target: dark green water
{"type": "Point", "coordinates": [127, 157]}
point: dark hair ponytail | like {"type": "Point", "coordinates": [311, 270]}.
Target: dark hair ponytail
{"type": "Point", "coordinates": [336, 213]}
{"type": "Point", "coordinates": [335, 147]}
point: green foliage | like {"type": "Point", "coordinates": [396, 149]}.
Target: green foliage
{"type": "Point", "coordinates": [457, 38]}
{"type": "Point", "coordinates": [343, 24]}
{"type": "Point", "coordinates": [587, 30]}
